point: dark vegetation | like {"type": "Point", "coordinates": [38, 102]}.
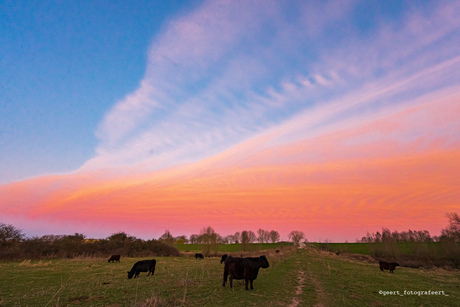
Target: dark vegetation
{"type": "Point", "coordinates": [412, 248]}
{"type": "Point", "coordinates": [15, 246]}
{"type": "Point", "coordinates": [70, 246]}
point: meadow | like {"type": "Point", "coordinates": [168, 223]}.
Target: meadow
{"type": "Point", "coordinates": [296, 277]}
{"type": "Point", "coordinates": [234, 248]}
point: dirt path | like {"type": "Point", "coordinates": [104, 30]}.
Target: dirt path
{"type": "Point", "coordinates": [299, 289]}
{"type": "Point", "coordinates": [304, 277]}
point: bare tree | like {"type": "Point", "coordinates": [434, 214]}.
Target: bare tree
{"type": "Point", "coordinates": [295, 236]}
{"type": "Point", "coordinates": [252, 236]}
{"type": "Point", "coordinates": [194, 239]}
{"type": "Point", "coordinates": [209, 238]}
{"type": "Point", "coordinates": [267, 236]}
{"type": "Point", "coordinates": [10, 234]}
{"type": "Point", "coordinates": [274, 236]}
{"type": "Point", "coordinates": [261, 235]}
{"type": "Point", "coordinates": [167, 237]}
{"type": "Point", "coordinates": [247, 237]}
{"type": "Point", "coordinates": [237, 237]}
{"type": "Point", "coordinates": [226, 239]}
{"type": "Point", "coordinates": [453, 230]}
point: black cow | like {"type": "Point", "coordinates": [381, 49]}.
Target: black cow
{"type": "Point", "coordinates": [223, 258]}
{"type": "Point", "coordinates": [388, 266]}
{"type": "Point", "coordinates": [199, 256]}
{"type": "Point", "coordinates": [114, 258]}
{"type": "Point", "coordinates": [243, 268]}
{"type": "Point", "coordinates": [142, 266]}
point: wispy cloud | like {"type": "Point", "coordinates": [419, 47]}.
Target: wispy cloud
{"type": "Point", "coordinates": [214, 78]}
{"type": "Point", "coordinates": [217, 76]}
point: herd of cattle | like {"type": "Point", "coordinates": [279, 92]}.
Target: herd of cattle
{"type": "Point", "coordinates": [246, 268]}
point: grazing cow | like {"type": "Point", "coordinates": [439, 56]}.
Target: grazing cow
{"type": "Point", "coordinates": [243, 268]}
{"type": "Point", "coordinates": [199, 256]}
{"type": "Point", "coordinates": [277, 251]}
{"type": "Point", "coordinates": [142, 266]}
{"type": "Point", "coordinates": [114, 258]}
{"type": "Point", "coordinates": [388, 266]}
{"type": "Point", "coordinates": [223, 258]}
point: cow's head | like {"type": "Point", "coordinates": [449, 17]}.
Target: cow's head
{"type": "Point", "coordinates": [130, 275]}
{"type": "Point", "coordinates": [264, 262]}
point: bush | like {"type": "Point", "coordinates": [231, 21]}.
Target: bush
{"type": "Point", "coordinates": [75, 246]}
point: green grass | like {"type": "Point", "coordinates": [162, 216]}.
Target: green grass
{"type": "Point", "coordinates": [351, 283]}
{"type": "Point", "coordinates": [353, 248]}
{"type": "Point", "coordinates": [306, 276]}
{"type": "Point", "coordinates": [234, 248]}
{"type": "Point", "coordinates": [403, 248]}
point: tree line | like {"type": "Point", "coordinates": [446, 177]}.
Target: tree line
{"type": "Point", "coordinates": [15, 245]}
{"type": "Point", "coordinates": [208, 235]}
{"type": "Point", "coordinates": [450, 233]}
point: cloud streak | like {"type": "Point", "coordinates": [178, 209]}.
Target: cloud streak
{"type": "Point", "coordinates": [210, 84]}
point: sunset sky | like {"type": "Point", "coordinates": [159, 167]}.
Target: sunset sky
{"type": "Point", "coordinates": [330, 117]}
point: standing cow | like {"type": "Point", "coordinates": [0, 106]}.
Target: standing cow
{"type": "Point", "coordinates": [114, 258]}
{"type": "Point", "coordinates": [142, 266]}
{"type": "Point", "coordinates": [199, 256]}
{"type": "Point", "coordinates": [388, 266]}
{"type": "Point", "coordinates": [243, 268]}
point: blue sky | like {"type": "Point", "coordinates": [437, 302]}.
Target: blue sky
{"type": "Point", "coordinates": [62, 66]}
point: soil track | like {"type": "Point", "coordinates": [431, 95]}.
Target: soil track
{"type": "Point", "coordinates": [304, 277]}
{"type": "Point", "coordinates": [299, 289]}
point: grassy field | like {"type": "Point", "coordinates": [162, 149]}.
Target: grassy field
{"type": "Point", "coordinates": [302, 277]}
{"type": "Point", "coordinates": [404, 248]}
{"type": "Point", "coordinates": [232, 248]}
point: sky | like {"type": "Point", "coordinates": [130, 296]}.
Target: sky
{"type": "Point", "coordinates": [330, 117]}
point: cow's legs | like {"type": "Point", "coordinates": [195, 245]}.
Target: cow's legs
{"type": "Point", "coordinates": [246, 282]}
{"type": "Point", "coordinates": [231, 281]}
{"type": "Point", "coordinates": [225, 277]}
{"type": "Point", "coordinates": [251, 285]}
